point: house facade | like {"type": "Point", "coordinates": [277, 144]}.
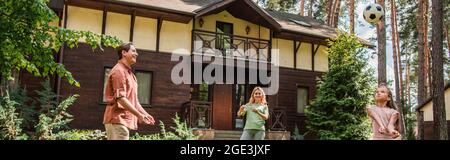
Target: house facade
{"type": "Point", "coordinates": [425, 116]}
{"type": "Point", "coordinates": [294, 44]}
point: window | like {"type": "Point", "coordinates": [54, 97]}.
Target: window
{"type": "Point", "coordinates": [144, 80]}
{"type": "Point", "coordinates": [224, 41]}
{"type": "Point", "coordinates": [302, 99]}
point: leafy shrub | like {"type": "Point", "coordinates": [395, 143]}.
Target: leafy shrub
{"type": "Point", "coordinates": [10, 122]}
{"type": "Point", "coordinates": [182, 132]}
{"type": "Point", "coordinates": [75, 134]}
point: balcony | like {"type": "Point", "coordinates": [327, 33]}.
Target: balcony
{"type": "Point", "coordinates": [230, 46]}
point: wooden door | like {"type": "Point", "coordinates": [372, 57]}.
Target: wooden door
{"type": "Point", "coordinates": [222, 107]}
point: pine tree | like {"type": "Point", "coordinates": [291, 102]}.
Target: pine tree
{"type": "Point", "coordinates": [338, 112]}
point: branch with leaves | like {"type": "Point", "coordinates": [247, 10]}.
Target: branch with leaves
{"type": "Point", "coordinates": [30, 43]}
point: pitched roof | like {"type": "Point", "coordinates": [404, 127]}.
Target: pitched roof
{"type": "Point", "coordinates": [307, 26]}
{"type": "Point", "coordinates": [429, 99]}
{"type": "Point", "coordinates": [243, 9]}
{"type": "Point", "coordinates": [280, 20]}
{"type": "Point", "coordinates": [188, 6]}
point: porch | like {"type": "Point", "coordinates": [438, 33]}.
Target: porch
{"type": "Point", "coordinates": [199, 116]}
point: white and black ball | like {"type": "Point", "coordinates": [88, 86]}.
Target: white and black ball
{"type": "Point", "coordinates": [373, 13]}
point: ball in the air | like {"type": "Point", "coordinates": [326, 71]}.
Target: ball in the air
{"type": "Point", "coordinates": [373, 13]}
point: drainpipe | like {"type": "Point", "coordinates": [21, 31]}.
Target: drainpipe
{"type": "Point", "coordinates": [60, 56]}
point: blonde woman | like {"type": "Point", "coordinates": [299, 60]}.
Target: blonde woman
{"type": "Point", "coordinates": [256, 112]}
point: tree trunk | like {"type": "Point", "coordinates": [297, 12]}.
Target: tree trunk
{"type": "Point", "coordinates": [302, 7]}
{"type": "Point", "coordinates": [426, 49]}
{"type": "Point", "coordinates": [337, 11]}
{"type": "Point", "coordinates": [381, 36]}
{"type": "Point", "coordinates": [310, 11]}
{"type": "Point", "coordinates": [352, 16]}
{"type": "Point", "coordinates": [408, 81]}
{"type": "Point", "coordinates": [448, 40]}
{"type": "Point", "coordinates": [329, 11]}
{"type": "Point", "coordinates": [421, 90]}
{"type": "Point", "coordinates": [397, 39]}
{"type": "Point", "coordinates": [395, 56]}
{"type": "Point", "coordinates": [420, 126]}
{"type": "Point", "coordinates": [439, 116]}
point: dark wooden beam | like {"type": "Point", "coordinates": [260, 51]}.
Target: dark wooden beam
{"type": "Point", "coordinates": [105, 13]}
{"type": "Point", "coordinates": [133, 18]}
{"type": "Point", "coordinates": [158, 32]}
{"type": "Point", "coordinates": [296, 48]}
{"type": "Point", "coordinates": [269, 58]}
{"type": "Point", "coordinates": [192, 35]}
{"type": "Point", "coordinates": [61, 57]}
{"type": "Point", "coordinates": [56, 5]}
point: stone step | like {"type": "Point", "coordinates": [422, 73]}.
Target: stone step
{"type": "Point", "coordinates": [227, 138]}
{"type": "Point", "coordinates": [227, 132]}
{"type": "Point", "coordinates": [227, 135]}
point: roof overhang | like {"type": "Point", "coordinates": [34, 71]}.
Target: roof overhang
{"type": "Point", "coordinates": [132, 8]}
{"type": "Point", "coordinates": [429, 99]}
{"type": "Point", "coordinates": [243, 9]}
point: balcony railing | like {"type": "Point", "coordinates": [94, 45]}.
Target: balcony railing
{"type": "Point", "coordinates": [197, 114]}
{"type": "Point", "coordinates": [230, 46]}
{"type": "Point", "coordinates": [277, 119]}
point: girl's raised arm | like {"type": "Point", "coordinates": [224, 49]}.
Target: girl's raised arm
{"type": "Point", "coordinates": [391, 126]}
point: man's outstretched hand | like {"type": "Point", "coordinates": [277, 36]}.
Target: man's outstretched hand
{"type": "Point", "coordinates": [147, 119]}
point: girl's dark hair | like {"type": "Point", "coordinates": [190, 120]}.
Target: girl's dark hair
{"type": "Point", "coordinates": [391, 104]}
{"type": "Point", "coordinates": [124, 47]}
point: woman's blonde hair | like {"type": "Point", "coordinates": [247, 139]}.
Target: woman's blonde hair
{"type": "Point", "coordinates": [263, 95]}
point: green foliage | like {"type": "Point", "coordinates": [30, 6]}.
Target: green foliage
{"type": "Point", "coordinates": [10, 122]}
{"type": "Point", "coordinates": [29, 41]}
{"type": "Point", "coordinates": [279, 5]}
{"type": "Point", "coordinates": [26, 109]}
{"type": "Point", "coordinates": [338, 112]}
{"type": "Point", "coordinates": [296, 135]}
{"type": "Point", "coordinates": [182, 132]}
{"type": "Point", "coordinates": [410, 118]}
{"type": "Point", "coordinates": [320, 11]}
{"type": "Point", "coordinates": [76, 134]}
{"type": "Point", "coordinates": [53, 116]}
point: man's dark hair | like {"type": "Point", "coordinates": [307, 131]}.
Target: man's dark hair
{"type": "Point", "coordinates": [124, 47]}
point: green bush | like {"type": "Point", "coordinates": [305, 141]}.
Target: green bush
{"type": "Point", "coordinates": [14, 111]}
{"type": "Point", "coordinates": [53, 116]}
{"type": "Point", "coordinates": [80, 135]}
{"type": "Point", "coordinates": [296, 135]}
{"type": "Point", "coordinates": [10, 122]}
{"type": "Point", "coordinates": [182, 132]}
{"type": "Point", "coordinates": [25, 108]}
